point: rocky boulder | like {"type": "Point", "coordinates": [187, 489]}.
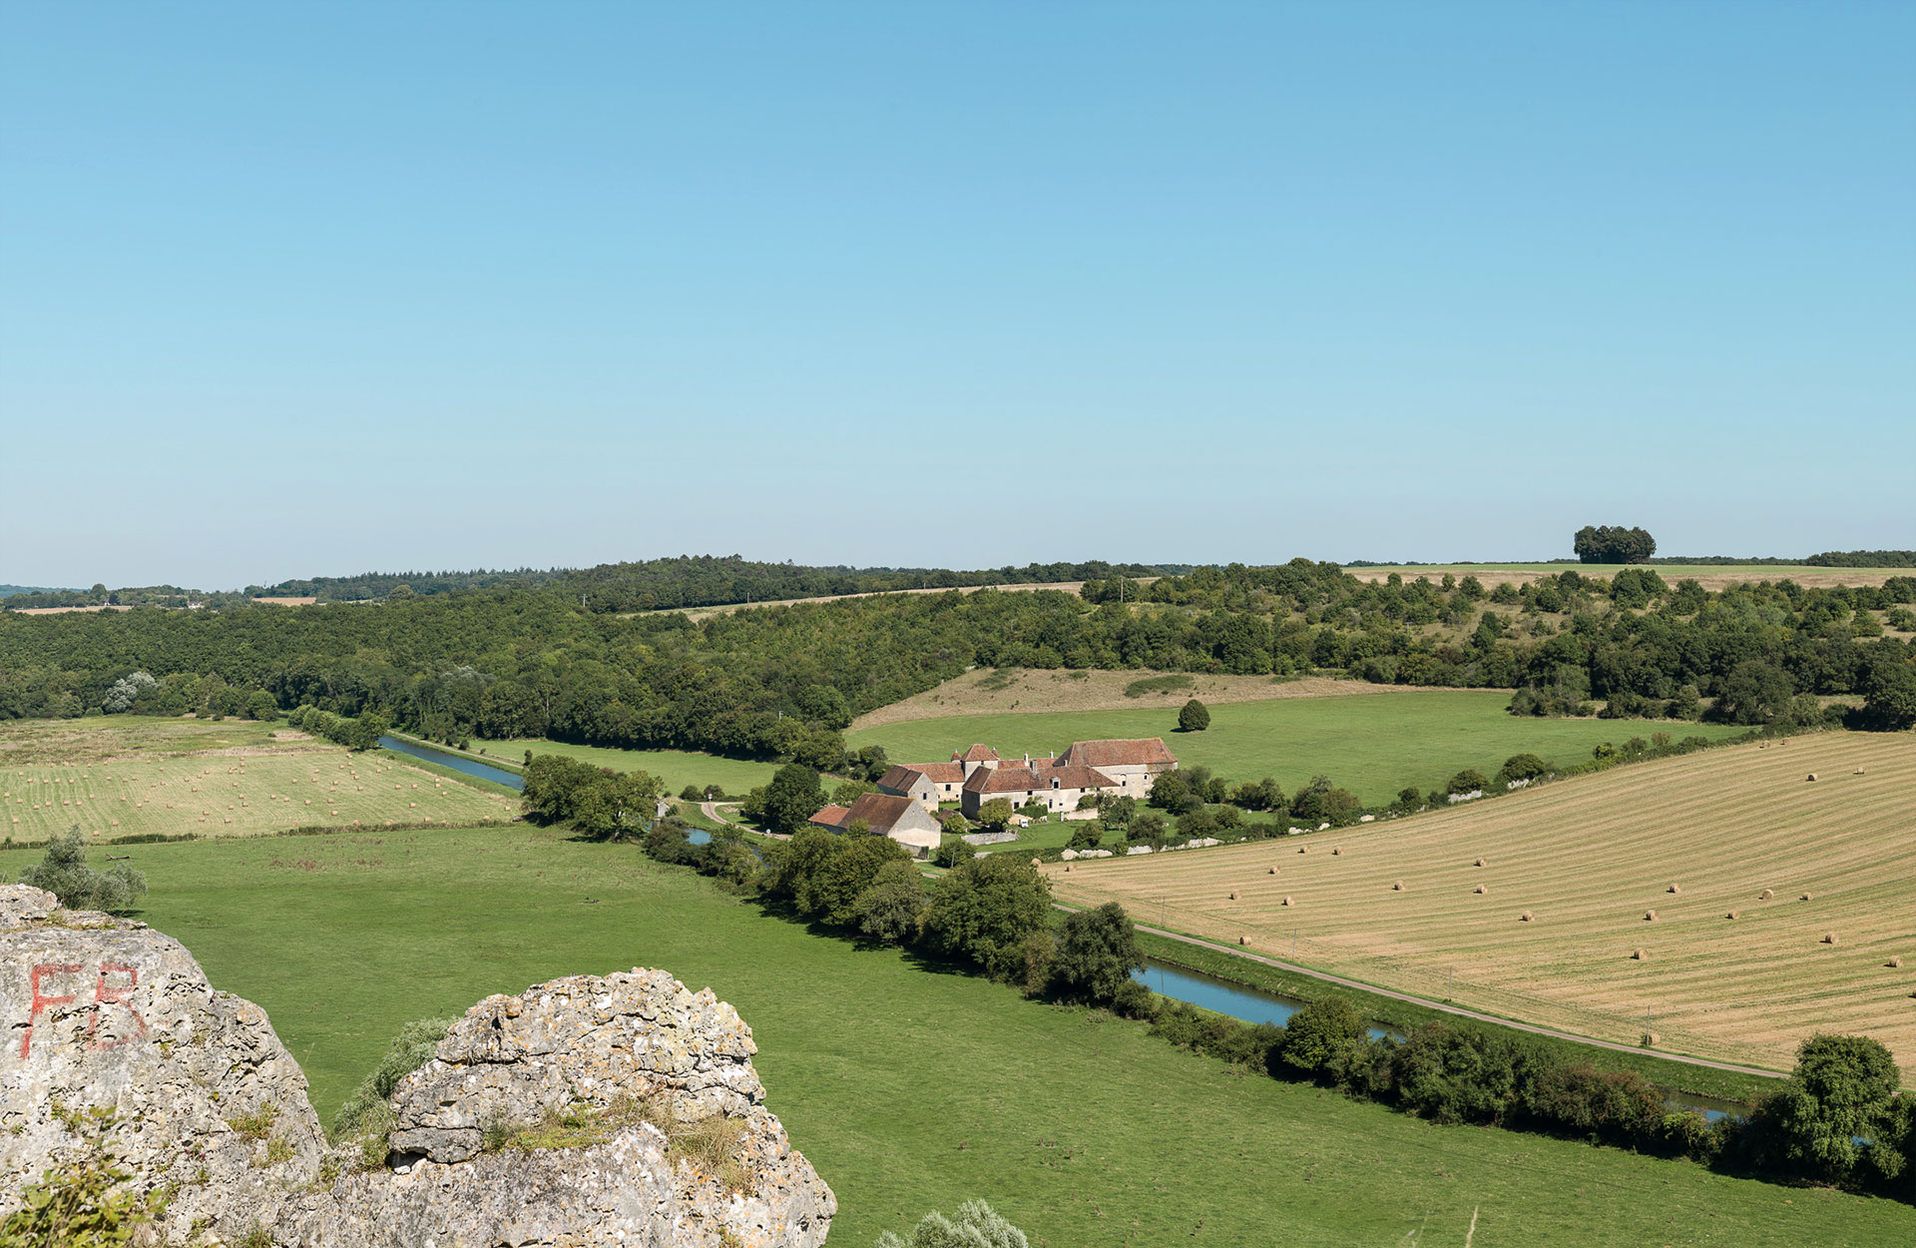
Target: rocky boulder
{"type": "Point", "coordinates": [589, 1110]}
{"type": "Point", "coordinates": [112, 1026]}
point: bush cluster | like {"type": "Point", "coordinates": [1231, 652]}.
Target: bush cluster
{"type": "Point", "coordinates": [599, 802]}
{"type": "Point", "coordinates": [361, 732]}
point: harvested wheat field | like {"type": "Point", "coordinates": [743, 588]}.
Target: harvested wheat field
{"type": "Point", "coordinates": [1652, 858]}
{"type": "Point", "coordinates": [131, 775]}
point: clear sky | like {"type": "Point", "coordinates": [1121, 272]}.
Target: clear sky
{"type": "Point", "coordinates": [295, 289]}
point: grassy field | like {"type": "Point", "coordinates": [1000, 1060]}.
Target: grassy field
{"type": "Point", "coordinates": [996, 691]}
{"type": "Point", "coordinates": [1588, 857]}
{"type": "Point", "coordinates": [127, 775]}
{"type": "Point", "coordinates": [677, 768]}
{"type": "Point", "coordinates": [1373, 745]}
{"type": "Point", "coordinates": [1712, 576]}
{"type": "Point", "coordinates": [911, 1089]}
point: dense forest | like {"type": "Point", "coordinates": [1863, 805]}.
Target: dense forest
{"type": "Point", "coordinates": [684, 581]}
{"type": "Point", "coordinates": [781, 682]}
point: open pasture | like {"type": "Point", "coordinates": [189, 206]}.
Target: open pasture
{"type": "Point", "coordinates": [1687, 840]}
{"type": "Point", "coordinates": [131, 775]}
{"type": "Point", "coordinates": [1712, 576]}
{"type": "Point", "coordinates": [909, 1089]}
{"type": "Point", "coordinates": [677, 768]}
{"type": "Point", "coordinates": [1371, 743]}
{"type": "Point", "coordinates": [988, 691]}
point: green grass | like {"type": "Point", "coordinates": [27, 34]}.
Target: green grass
{"type": "Point", "coordinates": [911, 1089]}
{"type": "Point", "coordinates": [1373, 745]}
{"type": "Point", "coordinates": [677, 768]}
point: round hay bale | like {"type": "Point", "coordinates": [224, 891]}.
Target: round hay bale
{"type": "Point", "coordinates": [1287, 899]}
{"type": "Point", "coordinates": [1674, 888]}
{"type": "Point", "coordinates": [1067, 868]}
{"type": "Point", "coordinates": [1766, 894]}
{"type": "Point", "coordinates": [1272, 871]}
{"type": "Point", "coordinates": [1730, 915]}
{"type": "Point", "coordinates": [1809, 777]}
{"type": "Point", "coordinates": [1638, 955]}
{"type": "Point", "coordinates": [1243, 940]}
{"type": "Point", "coordinates": [1829, 938]}
{"type": "Point", "coordinates": [1234, 894]}
{"type": "Point", "coordinates": [1397, 887]}
{"type": "Point", "coordinates": [1337, 851]}
{"type": "Point", "coordinates": [1037, 862]}
{"type": "Point", "coordinates": [1526, 917]}
{"type": "Point", "coordinates": [1481, 889]}
{"type": "Point", "coordinates": [1895, 963]}
{"type": "Point", "coordinates": [1482, 863]}
{"type": "Point", "coordinates": [1303, 849]}
{"type": "Point", "coordinates": [1649, 1040]}
{"type": "Point", "coordinates": [1859, 771]}
{"type": "Point", "coordinates": [1649, 916]}
{"type": "Point", "coordinates": [1807, 896]}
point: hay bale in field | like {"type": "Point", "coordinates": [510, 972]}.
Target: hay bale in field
{"type": "Point", "coordinates": [1526, 917]}
{"type": "Point", "coordinates": [1674, 888]}
{"type": "Point", "coordinates": [1243, 940]}
{"type": "Point", "coordinates": [1337, 851]}
{"type": "Point", "coordinates": [1649, 916]}
{"type": "Point", "coordinates": [1067, 867]}
{"type": "Point", "coordinates": [1303, 849]}
{"type": "Point", "coordinates": [1895, 963]}
{"type": "Point", "coordinates": [1272, 871]}
{"type": "Point", "coordinates": [1811, 776]}
{"type": "Point", "coordinates": [1829, 938]}
{"type": "Point", "coordinates": [1807, 896]}
{"type": "Point", "coordinates": [1037, 862]}
{"type": "Point", "coordinates": [1730, 915]}
{"type": "Point", "coordinates": [1649, 1040]}
{"type": "Point", "coordinates": [1638, 955]}
{"type": "Point", "coordinates": [1234, 894]}
{"type": "Point", "coordinates": [1482, 863]}
{"type": "Point", "coordinates": [1397, 887]}
{"type": "Point", "coordinates": [1859, 771]}
{"type": "Point", "coordinates": [1287, 900]}
{"type": "Point", "coordinates": [1481, 889]}
{"type": "Point", "coordinates": [1766, 894]}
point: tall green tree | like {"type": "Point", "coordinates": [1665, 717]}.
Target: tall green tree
{"type": "Point", "coordinates": [792, 798]}
{"type": "Point", "coordinates": [1194, 717]}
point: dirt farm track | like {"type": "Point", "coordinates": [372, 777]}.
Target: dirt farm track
{"type": "Point", "coordinates": [1588, 859]}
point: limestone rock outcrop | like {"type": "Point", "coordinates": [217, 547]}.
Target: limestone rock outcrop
{"type": "Point", "coordinates": [588, 1110]}
{"type": "Point", "coordinates": [207, 1106]}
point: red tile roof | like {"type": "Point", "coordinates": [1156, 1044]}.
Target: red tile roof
{"type": "Point", "coordinates": [977, 754]}
{"type": "Point", "coordinates": [902, 776]}
{"type": "Point", "coordinates": [832, 816]}
{"type": "Point", "coordinates": [1009, 779]}
{"type": "Point", "coordinates": [1144, 752]}
{"type": "Point", "coordinates": [879, 811]}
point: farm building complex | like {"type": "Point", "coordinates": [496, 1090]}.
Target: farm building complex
{"type": "Point", "coordinates": [910, 794]}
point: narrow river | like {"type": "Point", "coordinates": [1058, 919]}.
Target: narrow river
{"type": "Point", "coordinates": [458, 762]}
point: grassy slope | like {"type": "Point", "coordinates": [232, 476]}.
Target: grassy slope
{"type": "Point", "coordinates": [911, 1089]}
{"type": "Point", "coordinates": [127, 775]}
{"type": "Point", "coordinates": [1589, 857]}
{"type": "Point", "coordinates": [1372, 745]}
{"type": "Point", "coordinates": [677, 768]}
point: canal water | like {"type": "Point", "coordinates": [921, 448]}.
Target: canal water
{"type": "Point", "coordinates": [458, 762]}
{"type": "Point", "coordinates": [1254, 1005]}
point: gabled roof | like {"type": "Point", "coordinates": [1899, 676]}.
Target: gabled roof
{"type": "Point", "coordinates": [901, 776]}
{"type": "Point", "coordinates": [879, 811]}
{"type": "Point", "coordinates": [832, 816]}
{"type": "Point", "coordinates": [1009, 779]}
{"type": "Point", "coordinates": [976, 754]}
{"type": "Point", "coordinates": [1141, 752]}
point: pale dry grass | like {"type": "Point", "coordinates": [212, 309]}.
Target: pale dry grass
{"type": "Point", "coordinates": [1713, 577]}
{"type": "Point", "coordinates": [989, 692]}
{"type": "Point", "coordinates": [130, 775]}
{"type": "Point", "coordinates": [1740, 828]}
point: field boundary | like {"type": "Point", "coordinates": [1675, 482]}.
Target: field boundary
{"type": "Point", "coordinates": [1459, 1011]}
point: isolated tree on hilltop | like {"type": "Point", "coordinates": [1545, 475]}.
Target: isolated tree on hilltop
{"type": "Point", "coordinates": [1605, 543]}
{"type": "Point", "coordinates": [1195, 717]}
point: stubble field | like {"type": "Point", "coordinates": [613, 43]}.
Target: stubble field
{"type": "Point", "coordinates": [132, 775]}
{"type": "Point", "coordinates": [1589, 858]}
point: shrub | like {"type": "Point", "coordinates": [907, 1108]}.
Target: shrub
{"type": "Point", "coordinates": [1522, 767]}
{"type": "Point", "coordinates": [952, 851]}
{"type": "Point", "coordinates": [1328, 1040]}
{"type": "Point", "coordinates": [1466, 781]}
{"type": "Point", "coordinates": [1194, 717]}
{"type": "Point", "coordinates": [1096, 952]}
{"type": "Point", "coordinates": [973, 1225]}
{"type": "Point", "coordinates": [1086, 835]}
{"type": "Point", "coordinates": [64, 873]}
{"type": "Point", "coordinates": [83, 1202]}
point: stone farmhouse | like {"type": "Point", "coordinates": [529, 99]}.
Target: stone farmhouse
{"type": "Point", "coordinates": [900, 818]}
{"type": "Point", "coordinates": [979, 775]}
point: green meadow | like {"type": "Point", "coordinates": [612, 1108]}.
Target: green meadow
{"type": "Point", "coordinates": [911, 1089]}
{"type": "Point", "coordinates": [677, 768]}
{"type": "Point", "coordinates": [1373, 745]}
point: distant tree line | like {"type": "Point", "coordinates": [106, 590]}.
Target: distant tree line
{"type": "Point", "coordinates": [782, 683]}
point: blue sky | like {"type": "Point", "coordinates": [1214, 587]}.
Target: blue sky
{"type": "Point", "coordinates": [298, 289]}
